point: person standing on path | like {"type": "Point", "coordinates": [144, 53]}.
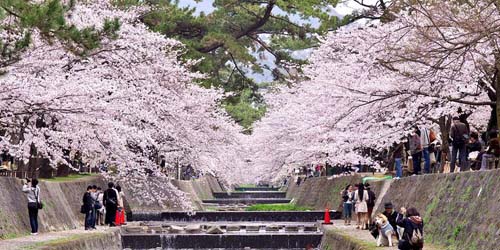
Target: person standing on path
{"type": "Point", "coordinates": [88, 208]}
{"type": "Point", "coordinates": [460, 135]}
{"type": "Point", "coordinates": [100, 211]}
{"type": "Point", "coordinates": [398, 157]}
{"type": "Point", "coordinates": [34, 203]}
{"type": "Point", "coordinates": [95, 205]}
{"type": "Point", "coordinates": [370, 203]}
{"type": "Point", "coordinates": [347, 197]}
{"type": "Point", "coordinates": [120, 218]}
{"type": "Point", "coordinates": [361, 197]}
{"type": "Point", "coordinates": [425, 141]}
{"type": "Point", "coordinates": [416, 151]}
{"type": "Point", "coordinates": [110, 200]}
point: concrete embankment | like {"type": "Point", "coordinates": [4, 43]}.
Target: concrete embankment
{"type": "Point", "coordinates": [61, 210]}
{"type": "Point", "coordinates": [460, 210]}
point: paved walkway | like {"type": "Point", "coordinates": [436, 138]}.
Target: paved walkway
{"type": "Point", "coordinates": [365, 236]}
{"type": "Point", "coordinates": [31, 242]}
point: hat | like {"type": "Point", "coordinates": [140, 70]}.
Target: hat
{"type": "Point", "coordinates": [388, 205]}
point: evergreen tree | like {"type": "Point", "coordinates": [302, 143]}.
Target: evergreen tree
{"type": "Point", "coordinates": [231, 40]}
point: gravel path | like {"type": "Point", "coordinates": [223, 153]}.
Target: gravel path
{"type": "Point", "coordinates": [364, 235]}
{"type": "Point", "coordinates": [30, 242]}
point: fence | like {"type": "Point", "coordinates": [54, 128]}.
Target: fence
{"type": "Point", "coordinates": [19, 174]}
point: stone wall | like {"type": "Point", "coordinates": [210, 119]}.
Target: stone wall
{"type": "Point", "coordinates": [62, 201]}
{"type": "Point", "coordinates": [460, 211]}
{"type": "Point", "coordinates": [320, 192]}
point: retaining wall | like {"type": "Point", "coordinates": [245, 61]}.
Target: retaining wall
{"type": "Point", "coordinates": [321, 192]}
{"type": "Point", "coordinates": [62, 201]}
{"type": "Point", "coordinates": [460, 211]}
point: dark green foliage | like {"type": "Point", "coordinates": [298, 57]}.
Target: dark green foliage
{"type": "Point", "coordinates": [230, 41]}
{"type": "Point", "coordinates": [48, 18]}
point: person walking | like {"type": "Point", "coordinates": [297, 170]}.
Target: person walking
{"type": "Point", "coordinates": [361, 198]}
{"type": "Point", "coordinates": [459, 135]}
{"type": "Point", "coordinates": [370, 203]}
{"type": "Point", "coordinates": [34, 203]}
{"type": "Point", "coordinates": [88, 208]}
{"type": "Point", "coordinates": [347, 198]}
{"type": "Point", "coordinates": [110, 200]}
{"type": "Point", "coordinates": [416, 150]}
{"type": "Point", "coordinates": [425, 141]}
{"type": "Point", "coordinates": [413, 234]}
{"type": "Point", "coordinates": [398, 156]}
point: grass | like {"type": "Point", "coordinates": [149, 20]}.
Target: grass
{"type": "Point", "coordinates": [247, 186]}
{"type": "Point", "coordinates": [277, 207]}
{"type": "Point", "coordinates": [61, 241]}
{"type": "Point", "coordinates": [70, 177]}
{"type": "Point", "coordinates": [13, 236]}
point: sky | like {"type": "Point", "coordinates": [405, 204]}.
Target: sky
{"type": "Point", "coordinates": [342, 9]}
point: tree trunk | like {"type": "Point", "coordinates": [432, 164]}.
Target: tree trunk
{"type": "Point", "coordinates": [497, 86]}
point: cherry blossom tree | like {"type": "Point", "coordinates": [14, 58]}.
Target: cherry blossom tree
{"type": "Point", "coordinates": [371, 82]}
{"type": "Point", "coordinates": [127, 103]}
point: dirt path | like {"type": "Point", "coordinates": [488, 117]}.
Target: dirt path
{"type": "Point", "coordinates": [31, 242]}
{"type": "Point", "coordinates": [364, 236]}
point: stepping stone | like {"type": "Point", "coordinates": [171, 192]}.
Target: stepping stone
{"type": "Point", "coordinates": [233, 228]}
{"type": "Point", "coordinates": [252, 228]}
{"type": "Point", "coordinates": [272, 228]}
{"type": "Point", "coordinates": [215, 230]}
{"type": "Point", "coordinates": [175, 229]}
{"type": "Point", "coordinates": [155, 229]}
{"type": "Point", "coordinates": [192, 229]}
{"type": "Point", "coordinates": [133, 229]}
{"type": "Point", "coordinates": [310, 229]}
{"type": "Point", "coordinates": [291, 228]}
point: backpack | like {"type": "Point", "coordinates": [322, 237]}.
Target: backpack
{"type": "Point", "coordinates": [416, 238]}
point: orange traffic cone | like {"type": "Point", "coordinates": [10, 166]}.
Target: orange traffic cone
{"type": "Point", "coordinates": [327, 217]}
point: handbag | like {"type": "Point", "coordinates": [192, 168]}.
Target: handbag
{"type": "Point", "coordinates": [432, 157]}
{"type": "Point", "coordinates": [39, 205]}
{"type": "Point", "coordinates": [83, 210]}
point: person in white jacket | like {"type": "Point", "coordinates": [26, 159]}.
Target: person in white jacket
{"type": "Point", "coordinates": [33, 194]}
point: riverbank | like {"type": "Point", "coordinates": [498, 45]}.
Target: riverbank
{"type": "Point", "coordinates": [77, 239]}
{"type": "Point", "coordinates": [460, 210]}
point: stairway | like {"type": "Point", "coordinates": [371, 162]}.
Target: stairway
{"type": "Point", "coordinates": [249, 196]}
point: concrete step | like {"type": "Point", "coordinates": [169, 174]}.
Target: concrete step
{"type": "Point", "coordinates": [248, 201]}
{"type": "Point", "coordinates": [225, 241]}
{"type": "Point", "coordinates": [254, 216]}
{"type": "Point", "coordinates": [250, 195]}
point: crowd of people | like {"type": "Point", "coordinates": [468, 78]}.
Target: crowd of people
{"type": "Point", "coordinates": [107, 205]}
{"type": "Point", "coordinates": [360, 200]}
{"type": "Point", "coordinates": [426, 155]}
{"type": "Point", "coordinates": [316, 170]}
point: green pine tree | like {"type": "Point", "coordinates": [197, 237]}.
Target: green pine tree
{"type": "Point", "coordinates": [231, 40]}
